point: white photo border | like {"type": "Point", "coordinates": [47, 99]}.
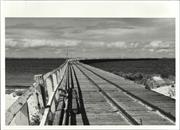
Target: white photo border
{"type": "Point", "coordinates": [88, 9]}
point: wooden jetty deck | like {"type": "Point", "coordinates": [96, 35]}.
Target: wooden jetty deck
{"type": "Point", "coordinates": [79, 94]}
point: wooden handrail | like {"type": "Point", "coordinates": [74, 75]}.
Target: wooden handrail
{"type": "Point", "coordinates": [51, 72]}
{"type": "Point", "coordinates": [49, 104]}
{"type": "Point", "coordinates": [16, 107]}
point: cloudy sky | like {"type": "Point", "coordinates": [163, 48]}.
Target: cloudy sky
{"type": "Point", "coordinates": [90, 37]}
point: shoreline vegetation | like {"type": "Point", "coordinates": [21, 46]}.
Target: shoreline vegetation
{"type": "Point", "coordinates": [155, 82]}
{"type": "Point", "coordinates": [150, 81]}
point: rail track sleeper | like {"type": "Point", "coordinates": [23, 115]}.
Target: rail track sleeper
{"type": "Point", "coordinates": [166, 114]}
{"type": "Point", "coordinates": [124, 113]}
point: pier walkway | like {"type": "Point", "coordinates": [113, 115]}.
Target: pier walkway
{"type": "Point", "coordinates": [79, 94]}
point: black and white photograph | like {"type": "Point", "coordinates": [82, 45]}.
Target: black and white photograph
{"type": "Point", "coordinates": [90, 71]}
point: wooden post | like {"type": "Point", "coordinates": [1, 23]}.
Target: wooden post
{"type": "Point", "coordinates": [65, 119]}
{"type": "Point", "coordinates": [57, 76]}
{"type": "Point", "coordinates": [49, 86]}
{"type": "Point", "coordinates": [57, 95]}
{"type": "Point", "coordinates": [39, 80]}
{"type": "Point", "coordinates": [52, 109]}
{"type": "Point", "coordinates": [54, 79]}
{"type": "Point", "coordinates": [39, 96]}
{"type": "Point", "coordinates": [140, 121]}
{"type": "Point", "coordinates": [51, 77]}
{"type": "Point", "coordinates": [53, 106]}
{"type": "Point", "coordinates": [60, 73]}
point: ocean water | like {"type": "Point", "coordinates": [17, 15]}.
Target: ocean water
{"type": "Point", "coordinates": [164, 67]}
{"type": "Point", "coordinates": [20, 72]}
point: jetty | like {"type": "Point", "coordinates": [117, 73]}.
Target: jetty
{"type": "Point", "coordinates": [79, 94]}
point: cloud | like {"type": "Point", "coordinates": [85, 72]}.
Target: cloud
{"type": "Point", "coordinates": [109, 31]}
{"type": "Point", "coordinates": [155, 44]}
{"type": "Point", "coordinates": [163, 50]}
{"type": "Point", "coordinates": [33, 43]}
{"type": "Point", "coordinates": [58, 51]}
{"type": "Point", "coordinates": [94, 43]}
{"type": "Point", "coordinates": [10, 43]}
{"type": "Point", "coordinates": [134, 44]}
{"type": "Point", "coordinates": [118, 44]}
{"type": "Point", "coordinates": [151, 50]}
{"type": "Point", "coordinates": [143, 37]}
{"type": "Point", "coordinates": [160, 44]}
{"type": "Point", "coordinates": [109, 23]}
{"type": "Point", "coordinates": [123, 44]}
{"type": "Point", "coordinates": [114, 44]}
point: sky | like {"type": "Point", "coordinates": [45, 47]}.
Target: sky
{"type": "Point", "coordinates": [90, 37]}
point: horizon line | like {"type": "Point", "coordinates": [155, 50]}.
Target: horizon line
{"type": "Point", "coordinates": [89, 58]}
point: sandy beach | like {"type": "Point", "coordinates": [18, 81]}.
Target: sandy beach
{"type": "Point", "coordinates": [10, 99]}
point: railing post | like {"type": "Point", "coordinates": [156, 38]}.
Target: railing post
{"type": "Point", "coordinates": [39, 96]}
{"type": "Point", "coordinates": [42, 95]}
{"type": "Point", "coordinates": [57, 76]}
{"type": "Point", "coordinates": [49, 85]}
{"type": "Point", "coordinates": [43, 89]}
{"type": "Point", "coordinates": [54, 80]}
{"type": "Point", "coordinates": [60, 73]}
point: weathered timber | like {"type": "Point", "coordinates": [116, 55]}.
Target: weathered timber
{"type": "Point", "coordinates": [129, 90]}
{"type": "Point", "coordinates": [79, 94]}
{"type": "Point", "coordinates": [99, 106]}
{"type": "Point", "coordinates": [43, 92]}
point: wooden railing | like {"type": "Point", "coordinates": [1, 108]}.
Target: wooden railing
{"type": "Point", "coordinates": [37, 105]}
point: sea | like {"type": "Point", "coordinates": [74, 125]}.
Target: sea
{"type": "Point", "coordinates": [20, 72]}
{"type": "Point", "coordinates": [161, 66]}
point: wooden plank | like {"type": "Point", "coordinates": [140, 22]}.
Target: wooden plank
{"type": "Point", "coordinates": [106, 119]}
{"type": "Point", "coordinates": [20, 102]}
{"type": "Point", "coordinates": [132, 102]}
{"type": "Point", "coordinates": [75, 104]}
{"type": "Point", "coordinates": [98, 110]}
{"type": "Point", "coordinates": [144, 96]}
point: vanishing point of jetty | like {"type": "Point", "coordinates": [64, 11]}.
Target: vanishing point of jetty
{"type": "Point", "coordinates": [79, 94]}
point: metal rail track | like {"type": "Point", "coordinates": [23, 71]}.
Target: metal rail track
{"type": "Point", "coordinates": [129, 118]}
{"type": "Point", "coordinates": [125, 114]}
{"type": "Point", "coordinates": [81, 102]}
